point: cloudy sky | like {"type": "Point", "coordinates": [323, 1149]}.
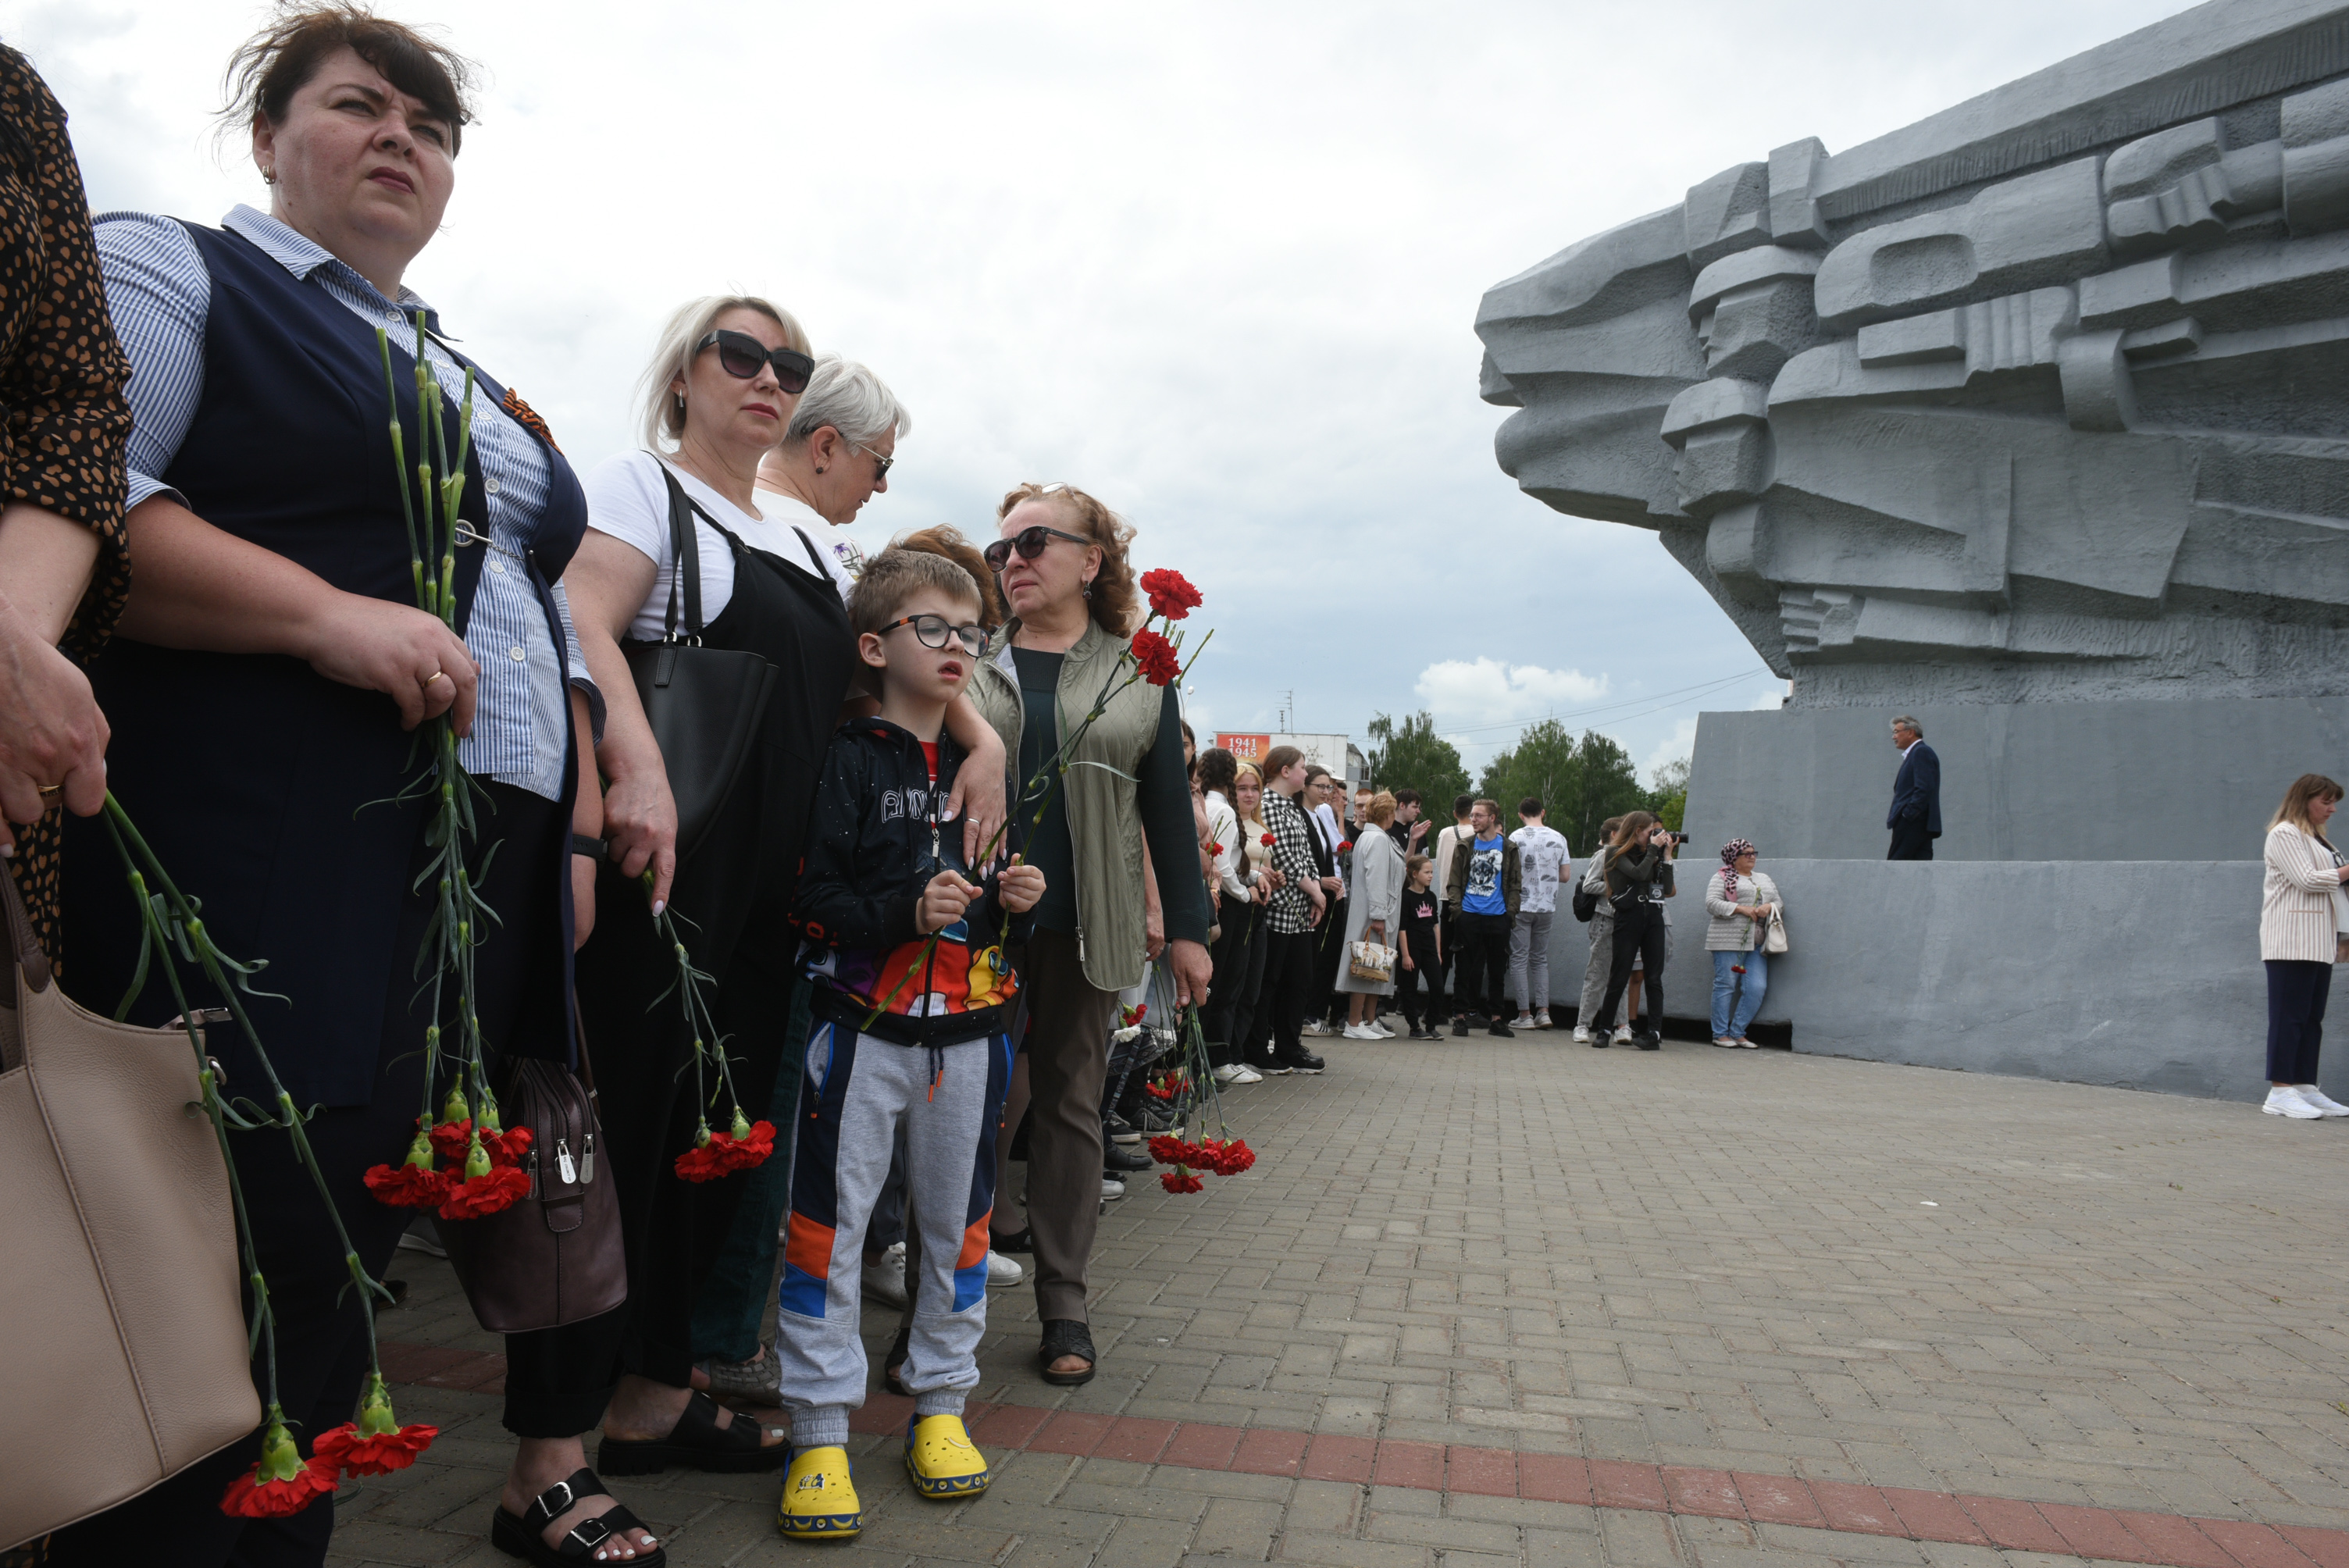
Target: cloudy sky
{"type": "Point", "coordinates": [1217, 263]}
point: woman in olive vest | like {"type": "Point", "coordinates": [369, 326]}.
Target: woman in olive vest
{"type": "Point", "coordinates": [1062, 560]}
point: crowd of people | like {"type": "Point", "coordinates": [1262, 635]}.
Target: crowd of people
{"type": "Point", "coordinates": [1304, 881]}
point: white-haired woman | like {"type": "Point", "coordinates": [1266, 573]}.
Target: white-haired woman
{"type": "Point", "coordinates": [836, 451]}
{"type": "Point", "coordinates": [719, 394]}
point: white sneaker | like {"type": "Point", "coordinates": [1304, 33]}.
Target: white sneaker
{"type": "Point", "coordinates": [884, 1282]}
{"type": "Point", "coordinates": [1581, 1034]}
{"type": "Point", "coordinates": [1724, 1040]}
{"type": "Point", "coordinates": [1385, 1028]}
{"type": "Point", "coordinates": [1622, 1034]}
{"type": "Point", "coordinates": [1541, 1019]}
{"type": "Point", "coordinates": [1001, 1269]}
{"type": "Point", "coordinates": [1111, 1188]}
{"type": "Point", "coordinates": [1229, 1073]}
{"type": "Point", "coordinates": [2316, 1097]}
{"type": "Point", "coordinates": [1523, 1021]}
{"type": "Point", "coordinates": [2285, 1100]}
{"type": "Point", "coordinates": [1247, 1075]}
{"type": "Point", "coordinates": [1362, 1032]}
{"type": "Point", "coordinates": [1315, 1027]}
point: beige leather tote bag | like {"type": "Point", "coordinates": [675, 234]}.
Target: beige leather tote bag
{"type": "Point", "coordinates": [122, 1339]}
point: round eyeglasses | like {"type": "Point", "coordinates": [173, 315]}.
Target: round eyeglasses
{"type": "Point", "coordinates": [932, 632]}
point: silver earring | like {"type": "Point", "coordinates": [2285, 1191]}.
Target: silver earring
{"type": "Point", "coordinates": [681, 407]}
{"type": "Point", "coordinates": [1088, 587]}
{"type": "Point", "coordinates": [269, 177]}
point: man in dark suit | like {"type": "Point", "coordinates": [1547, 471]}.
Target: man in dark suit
{"type": "Point", "coordinates": [1916, 815]}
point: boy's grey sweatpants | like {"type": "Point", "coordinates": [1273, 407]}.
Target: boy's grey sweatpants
{"type": "Point", "coordinates": [856, 1092]}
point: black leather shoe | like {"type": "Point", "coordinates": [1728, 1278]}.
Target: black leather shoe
{"type": "Point", "coordinates": [1116, 1156]}
{"type": "Point", "coordinates": [1304, 1061]}
{"type": "Point", "coordinates": [1652, 1042]}
{"type": "Point", "coordinates": [1502, 1031]}
{"type": "Point", "coordinates": [1599, 1039]}
{"type": "Point", "coordinates": [1459, 1031]}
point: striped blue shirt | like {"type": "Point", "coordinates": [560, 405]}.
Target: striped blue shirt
{"type": "Point", "coordinates": [158, 292]}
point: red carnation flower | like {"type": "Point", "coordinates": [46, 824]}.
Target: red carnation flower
{"type": "Point", "coordinates": [354, 1453]}
{"type": "Point", "coordinates": [1345, 844]}
{"type": "Point", "coordinates": [1159, 661]}
{"type": "Point", "coordinates": [1179, 1181]}
{"type": "Point", "coordinates": [1226, 1158]}
{"type": "Point", "coordinates": [1157, 1090]}
{"type": "Point", "coordinates": [280, 1482]}
{"type": "Point", "coordinates": [1169, 1150]}
{"type": "Point", "coordinates": [482, 1196]}
{"type": "Point", "coordinates": [407, 1186]}
{"type": "Point", "coordinates": [451, 1139]}
{"type": "Point", "coordinates": [1267, 841]}
{"type": "Point", "coordinates": [1214, 849]}
{"type": "Point", "coordinates": [1171, 594]}
{"type": "Point", "coordinates": [748, 1151]}
{"type": "Point", "coordinates": [454, 1139]}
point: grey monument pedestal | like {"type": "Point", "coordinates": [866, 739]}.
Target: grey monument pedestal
{"type": "Point", "coordinates": [2031, 419]}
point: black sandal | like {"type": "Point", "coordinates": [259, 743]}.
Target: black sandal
{"type": "Point", "coordinates": [1066, 1336]}
{"type": "Point", "coordinates": [893, 1364]}
{"type": "Point", "coordinates": [696, 1442]}
{"type": "Point", "coordinates": [518, 1537]}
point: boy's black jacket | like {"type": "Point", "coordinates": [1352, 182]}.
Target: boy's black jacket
{"type": "Point", "coordinates": [874, 841]}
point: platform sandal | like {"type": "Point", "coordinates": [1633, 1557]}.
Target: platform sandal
{"type": "Point", "coordinates": [518, 1536]}
{"type": "Point", "coordinates": [696, 1442]}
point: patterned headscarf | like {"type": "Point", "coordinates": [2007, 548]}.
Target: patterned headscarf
{"type": "Point", "coordinates": [1730, 853]}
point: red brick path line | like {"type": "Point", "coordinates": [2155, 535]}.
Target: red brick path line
{"type": "Point", "coordinates": [2116, 1535]}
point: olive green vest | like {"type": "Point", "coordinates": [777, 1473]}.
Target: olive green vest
{"type": "Point", "coordinates": [1098, 792]}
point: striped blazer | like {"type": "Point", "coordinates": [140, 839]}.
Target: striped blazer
{"type": "Point", "coordinates": [2296, 901]}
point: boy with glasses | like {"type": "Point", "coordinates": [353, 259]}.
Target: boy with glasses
{"type": "Point", "coordinates": [910, 997]}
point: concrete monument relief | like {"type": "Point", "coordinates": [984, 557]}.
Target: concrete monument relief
{"type": "Point", "coordinates": [2031, 419]}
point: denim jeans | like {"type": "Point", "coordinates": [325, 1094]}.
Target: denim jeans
{"type": "Point", "coordinates": [1754, 983]}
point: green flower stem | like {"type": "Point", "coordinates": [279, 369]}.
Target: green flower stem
{"type": "Point", "coordinates": [192, 938]}
{"type": "Point", "coordinates": [690, 987]}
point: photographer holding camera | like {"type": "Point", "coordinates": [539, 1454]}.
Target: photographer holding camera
{"type": "Point", "coordinates": [1638, 879]}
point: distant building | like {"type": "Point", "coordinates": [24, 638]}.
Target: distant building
{"type": "Point", "coordinates": [1338, 753]}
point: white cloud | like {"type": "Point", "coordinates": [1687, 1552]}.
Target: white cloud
{"type": "Point", "coordinates": [1473, 693]}
{"type": "Point", "coordinates": [1673, 747]}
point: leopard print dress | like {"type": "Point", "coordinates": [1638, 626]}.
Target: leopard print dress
{"type": "Point", "coordinates": [62, 375]}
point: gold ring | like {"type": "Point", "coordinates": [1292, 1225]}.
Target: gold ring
{"type": "Point", "coordinates": [435, 676]}
{"type": "Point", "coordinates": [50, 789]}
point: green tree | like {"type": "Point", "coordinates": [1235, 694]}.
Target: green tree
{"type": "Point", "coordinates": [1413, 757]}
{"type": "Point", "coordinates": [1581, 782]}
{"type": "Point", "coordinates": [1668, 798]}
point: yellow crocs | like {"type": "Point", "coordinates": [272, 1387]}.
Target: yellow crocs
{"type": "Point", "coordinates": [820, 1497]}
{"type": "Point", "coordinates": [941, 1459]}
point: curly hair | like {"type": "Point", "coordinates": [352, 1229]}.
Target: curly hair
{"type": "Point", "coordinates": [1114, 605]}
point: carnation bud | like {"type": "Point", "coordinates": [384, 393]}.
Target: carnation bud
{"type": "Point", "coordinates": [476, 1159]}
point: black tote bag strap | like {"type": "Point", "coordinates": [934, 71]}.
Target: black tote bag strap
{"type": "Point", "coordinates": [684, 559]}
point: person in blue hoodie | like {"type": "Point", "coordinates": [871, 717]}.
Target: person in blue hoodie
{"type": "Point", "coordinates": [903, 944]}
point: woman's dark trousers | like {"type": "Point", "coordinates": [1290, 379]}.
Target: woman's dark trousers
{"type": "Point", "coordinates": [1638, 930]}
{"type": "Point", "coordinates": [2296, 994]}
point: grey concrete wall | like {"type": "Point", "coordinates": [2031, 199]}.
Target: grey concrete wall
{"type": "Point", "coordinates": [2135, 973]}
{"type": "Point", "coordinates": [2145, 780]}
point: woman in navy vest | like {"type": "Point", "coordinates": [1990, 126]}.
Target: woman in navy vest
{"type": "Point", "coordinates": [268, 670]}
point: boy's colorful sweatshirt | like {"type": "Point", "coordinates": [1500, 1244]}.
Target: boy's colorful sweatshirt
{"type": "Point", "coordinates": [874, 843]}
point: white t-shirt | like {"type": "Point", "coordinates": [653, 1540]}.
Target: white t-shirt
{"type": "Point", "coordinates": [1542, 859]}
{"type": "Point", "coordinates": [627, 499]}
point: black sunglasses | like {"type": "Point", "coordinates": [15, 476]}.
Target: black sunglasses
{"type": "Point", "coordinates": [1029, 541]}
{"type": "Point", "coordinates": [932, 632]}
{"type": "Point", "coordinates": [741, 354]}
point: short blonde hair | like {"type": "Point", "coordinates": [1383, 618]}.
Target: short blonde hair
{"type": "Point", "coordinates": [662, 414]}
{"type": "Point", "coordinates": [1381, 809]}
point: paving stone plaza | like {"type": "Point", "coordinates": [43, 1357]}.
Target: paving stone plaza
{"type": "Point", "coordinates": [1497, 1301]}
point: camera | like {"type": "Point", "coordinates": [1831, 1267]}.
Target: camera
{"type": "Point", "coordinates": [1668, 836]}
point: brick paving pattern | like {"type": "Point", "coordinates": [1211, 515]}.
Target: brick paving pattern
{"type": "Point", "coordinates": [1768, 1309]}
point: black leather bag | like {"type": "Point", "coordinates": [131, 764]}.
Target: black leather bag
{"type": "Point", "coordinates": [1586, 902]}
{"type": "Point", "coordinates": [555, 1255]}
{"type": "Point", "coordinates": [705, 705]}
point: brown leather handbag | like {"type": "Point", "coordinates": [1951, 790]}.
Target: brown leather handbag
{"type": "Point", "coordinates": [555, 1256]}
{"type": "Point", "coordinates": [125, 1355]}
